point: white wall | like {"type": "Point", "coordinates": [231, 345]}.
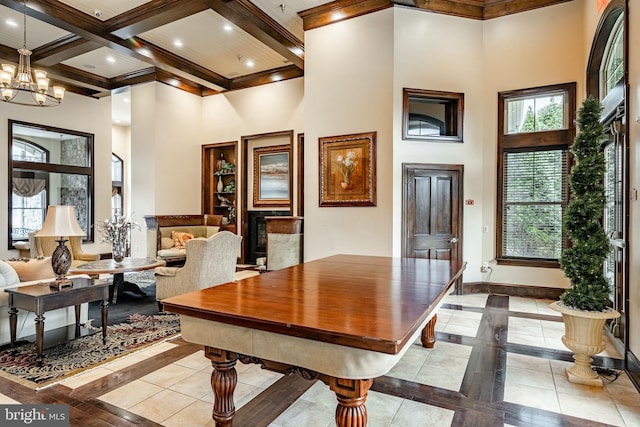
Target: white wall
{"type": "Point", "coordinates": [444, 53]}
{"type": "Point", "coordinates": [166, 139]}
{"type": "Point", "coordinates": [349, 89]}
{"type": "Point", "coordinates": [77, 113]}
{"type": "Point", "coordinates": [536, 48]}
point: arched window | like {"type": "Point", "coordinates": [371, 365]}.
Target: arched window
{"type": "Point", "coordinates": [612, 66]}
{"type": "Point", "coordinates": [117, 173]}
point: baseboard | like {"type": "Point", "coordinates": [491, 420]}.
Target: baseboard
{"type": "Point", "coordinates": [542, 292]}
{"type": "Point", "coordinates": [633, 369]}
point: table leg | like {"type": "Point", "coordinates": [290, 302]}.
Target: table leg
{"type": "Point", "coordinates": [429, 333]}
{"type": "Point", "coordinates": [13, 323]}
{"type": "Point", "coordinates": [77, 307]}
{"type": "Point", "coordinates": [39, 337]}
{"type": "Point", "coordinates": [105, 310]}
{"type": "Point", "coordinates": [223, 383]}
{"type": "Point", "coordinates": [120, 285]}
{"type": "Point", "coordinates": [352, 394]}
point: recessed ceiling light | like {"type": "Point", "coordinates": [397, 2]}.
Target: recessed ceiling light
{"type": "Point", "coordinates": [276, 78]}
{"type": "Point", "coordinates": [249, 63]}
{"type": "Point", "coordinates": [10, 22]}
{"type": "Point", "coordinates": [177, 43]}
{"type": "Point", "coordinates": [144, 51]}
{"type": "Point", "coordinates": [335, 16]}
{"type": "Point", "coordinates": [174, 82]}
{"type": "Point", "coordinates": [111, 59]}
{"type": "Point", "coordinates": [297, 51]}
{"type": "Point", "coordinates": [227, 27]}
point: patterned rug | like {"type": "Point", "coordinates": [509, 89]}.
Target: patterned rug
{"type": "Point", "coordinates": [65, 360]}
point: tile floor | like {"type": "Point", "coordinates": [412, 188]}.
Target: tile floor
{"type": "Point", "coordinates": [180, 393]}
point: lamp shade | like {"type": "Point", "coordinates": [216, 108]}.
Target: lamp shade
{"type": "Point", "coordinates": [61, 221]}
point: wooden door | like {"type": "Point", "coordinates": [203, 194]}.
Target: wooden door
{"type": "Point", "coordinates": [432, 214]}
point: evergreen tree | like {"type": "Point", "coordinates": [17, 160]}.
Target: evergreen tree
{"type": "Point", "coordinates": [583, 262]}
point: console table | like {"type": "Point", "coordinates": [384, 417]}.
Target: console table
{"type": "Point", "coordinates": [344, 319]}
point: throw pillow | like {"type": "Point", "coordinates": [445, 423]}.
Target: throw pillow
{"type": "Point", "coordinates": [166, 243]}
{"type": "Point", "coordinates": [180, 239]}
{"type": "Point", "coordinates": [29, 269]}
{"type": "Point", "coordinates": [8, 275]}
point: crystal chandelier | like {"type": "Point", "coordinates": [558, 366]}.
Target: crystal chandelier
{"type": "Point", "coordinates": [19, 86]}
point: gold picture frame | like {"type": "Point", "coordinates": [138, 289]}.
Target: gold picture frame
{"type": "Point", "coordinates": [348, 170]}
{"type": "Point", "coordinates": [272, 175]}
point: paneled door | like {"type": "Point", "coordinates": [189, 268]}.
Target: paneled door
{"type": "Point", "coordinates": [432, 214]}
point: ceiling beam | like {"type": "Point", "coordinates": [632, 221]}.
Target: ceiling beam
{"type": "Point", "coordinates": [268, 76]}
{"type": "Point", "coordinates": [254, 21]}
{"type": "Point", "coordinates": [152, 15]}
{"type": "Point", "coordinates": [62, 49]}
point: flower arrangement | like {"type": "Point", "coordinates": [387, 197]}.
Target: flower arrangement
{"type": "Point", "coordinates": [346, 165]}
{"type": "Point", "coordinates": [116, 230]}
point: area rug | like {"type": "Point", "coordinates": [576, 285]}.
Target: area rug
{"type": "Point", "coordinates": [73, 357]}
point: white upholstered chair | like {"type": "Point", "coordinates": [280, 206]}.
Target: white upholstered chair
{"type": "Point", "coordinates": [209, 262]}
{"type": "Point", "coordinates": [284, 242]}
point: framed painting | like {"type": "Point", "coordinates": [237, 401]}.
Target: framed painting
{"type": "Point", "coordinates": [348, 170]}
{"type": "Point", "coordinates": [272, 175]}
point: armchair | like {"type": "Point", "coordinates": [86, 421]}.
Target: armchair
{"type": "Point", "coordinates": [284, 241]}
{"type": "Point", "coordinates": [44, 246]}
{"type": "Point", "coordinates": [209, 262]}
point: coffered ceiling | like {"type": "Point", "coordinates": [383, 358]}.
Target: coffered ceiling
{"type": "Point", "coordinates": [93, 47]}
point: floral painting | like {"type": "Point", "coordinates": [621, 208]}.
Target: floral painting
{"type": "Point", "coordinates": [348, 170]}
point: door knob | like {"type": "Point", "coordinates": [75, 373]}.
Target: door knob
{"type": "Point", "coordinates": [453, 240]}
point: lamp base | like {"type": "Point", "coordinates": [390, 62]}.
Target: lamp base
{"type": "Point", "coordinates": [61, 284]}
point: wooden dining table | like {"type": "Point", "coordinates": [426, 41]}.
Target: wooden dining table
{"type": "Point", "coordinates": [344, 319]}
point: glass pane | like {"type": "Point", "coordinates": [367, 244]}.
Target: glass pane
{"type": "Point", "coordinates": [533, 195]}
{"type": "Point", "coordinates": [535, 113]}
{"type": "Point", "coordinates": [69, 189]}
{"type": "Point", "coordinates": [116, 169]}
{"type": "Point", "coordinates": [612, 69]}
{"type": "Point", "coordinates": [27, 215]}
{"type": "Point", "coordinates": [63, 148]}
{"type": "Point", "coordinates": [24, 151]}
{"type": "Point", "coordinates": [533, 231]}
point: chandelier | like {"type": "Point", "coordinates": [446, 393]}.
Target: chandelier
{"type": "Point", "coordinates": [19, 86]}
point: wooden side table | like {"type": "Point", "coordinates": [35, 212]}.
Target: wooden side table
{"type": "Point", "coordinates": [41, 297]}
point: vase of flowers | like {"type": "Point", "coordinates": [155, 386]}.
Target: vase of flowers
{"type": "Point", "coordinates": [117, 231]}
{"type": "Point", "coordinates": [346, 165]}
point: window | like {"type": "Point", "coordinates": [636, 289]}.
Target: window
{"type": "Point", "coordinates": [48, 166]}
{"type": "Point", "coordinates": [432, 115]}
{"type": "Point", "coordinates": [535, 130]}
{"type": "Point", "coordinates": [612, 68]}
{"type": "Point", "coordinates": [117, 172]}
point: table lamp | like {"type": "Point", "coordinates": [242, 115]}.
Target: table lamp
{"type": "Point", "coordinates": [61, 222]}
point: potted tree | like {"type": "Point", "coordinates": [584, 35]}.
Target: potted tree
{"type": "Point", "coordinates": [585, 305]}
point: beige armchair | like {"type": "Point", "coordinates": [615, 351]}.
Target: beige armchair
{"type": "Point", "coordinates": [284, 241]}
{"type": "Point", "coordinates": [44, 247]}
{"type": "Point", "coordinates": [209, 262]}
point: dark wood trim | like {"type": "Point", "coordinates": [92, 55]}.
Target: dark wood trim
{"type": "Point", "coordinates": [264, 77]}
{"type": "Point", "coordinates": [541, 292]}
{"type": "Point", "coordinates": [300, 171]}
{"type": "Point", "coordinates": [454, 120]}
{"type": "Point", "coordinates": [498, 8]}
{"type": "Point", "coordinates": [322, 15]}
{"type": "Point", "coordinates": [562, 138]}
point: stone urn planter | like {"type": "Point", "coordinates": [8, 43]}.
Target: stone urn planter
{"type": "Point", "coordinates": [583, 336]}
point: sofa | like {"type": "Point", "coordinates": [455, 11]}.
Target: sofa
{"type": "Point", "coordinates": [25, 272]}
{"type": "Point", "coordinates": [167, 234]}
